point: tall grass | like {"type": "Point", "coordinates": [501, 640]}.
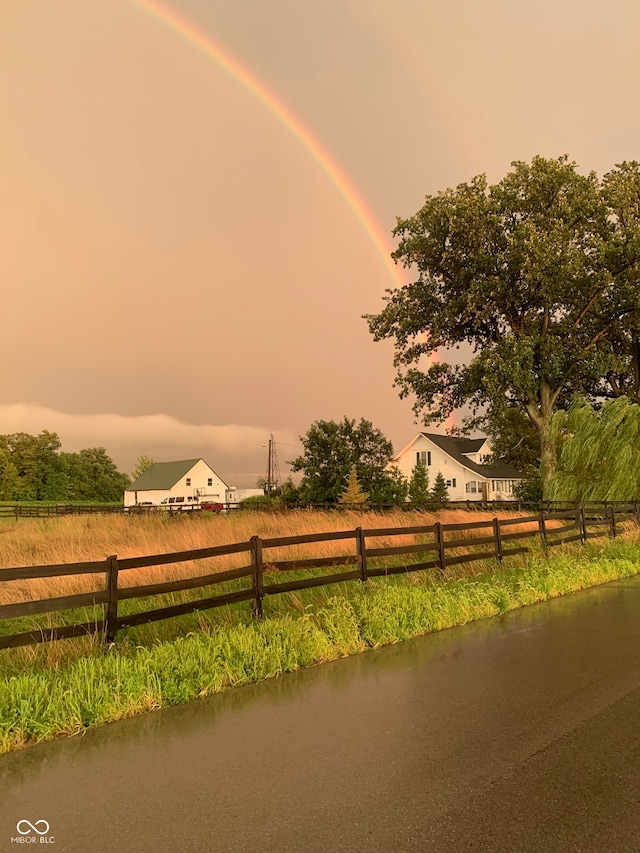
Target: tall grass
{"type": "Point", "coordinates": [44, 694]}
{"type": "Point", "coordinates": [72, 539]}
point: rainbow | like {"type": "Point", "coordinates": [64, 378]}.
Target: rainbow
{"type": "Point", "coordinates": [239, 72]}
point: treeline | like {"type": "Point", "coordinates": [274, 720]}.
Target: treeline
{"type": "Point", "coordinates": [348, 462]}
{"type": "Point", "coordinates": [34, 468]}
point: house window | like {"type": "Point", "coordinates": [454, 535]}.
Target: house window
{"type": "Point", "coordinates": [424, 456]}
{"type": "Point", "coordinates": [493, 485]}
{"type": "Point", "coordinates": [447, 483]}
{"type": "Point", "coordinates": [453, 482]}
{"type": "Point", "coordinates": [210, 481]}
{"type": "Point", "coordinates": [188, 481]}
{"type": "Point", "coordinates": [471, 487]}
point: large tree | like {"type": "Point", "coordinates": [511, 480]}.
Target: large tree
{"type": "Point", "coordinates": [539, 274]}
{"type": "Point", "coordinates": [331, 449]}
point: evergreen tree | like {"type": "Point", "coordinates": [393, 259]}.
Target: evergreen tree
{"type": "Point", "coordinates": [391, 488]}
{"type": "Point", "coordinates": [353, 493]}
{"type": "Point", "coordinates": [419, 484]}
{"type": "Point", "coordinates": [440, 493]}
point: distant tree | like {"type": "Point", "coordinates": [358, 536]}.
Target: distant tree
{"type": "Point", "coordinates": [600, 458]}
{"type": "Point", "coordinates": [290, 492]}
{"type": "Point", "coordinates": [330, 449]}
{"type": "Point", "coordinates": [8, 476]}
{"type": "Point", "coordinates": [41, 473]}
{"type": "Point", "coordinates": [529, 490]}
{"type": "Point", "coordinates": [33, 468]}
{"type": "Point", "coordinates": [419, 484]}
{"type": "Point", "coordinates": [391, 488]}
{"type": "Point", "coordinates": [353, 493]}
{"type": "Point", "coordinates": [93, 476]}
{"type": "Point", "coordinates": [440, 493]}
{"type": "Point", "coordinates": [143, 464]}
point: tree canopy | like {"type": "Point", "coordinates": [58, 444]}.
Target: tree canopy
{"type": "Point", "coordinates": [539, 274]}
{"type": "Point", "coordinates": [418, 491]}
{"type": "Point", "coordinates": [600, 457]}
{"type": "Point", "coordinates": [331, 449]}
{"type": "Point", "coordinates": [33, 468]}
{"type": "Point", "coordinates": [143, 463]}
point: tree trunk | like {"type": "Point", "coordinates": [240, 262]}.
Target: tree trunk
{"type": "Point", "coordinates": [541, 418]}
{"type": "Point", "coordinates": [548, 456]}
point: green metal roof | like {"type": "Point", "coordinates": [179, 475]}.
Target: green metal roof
{"type": "Point", "coordinates": [162, 475]}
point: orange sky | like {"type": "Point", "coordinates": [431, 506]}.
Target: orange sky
{"type": "Point", "coordinates": [171, 249]}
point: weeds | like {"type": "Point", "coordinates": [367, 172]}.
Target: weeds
{"type": "Point", "coordinates": [57, 696]}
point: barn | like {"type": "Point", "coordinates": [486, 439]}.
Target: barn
{"type": "Point", "coordinates": [187, 481]}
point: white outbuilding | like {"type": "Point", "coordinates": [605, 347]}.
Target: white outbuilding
{"type": "Point", "coordinates": [186, 482]}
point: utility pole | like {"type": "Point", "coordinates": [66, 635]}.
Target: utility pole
{"type": "Point", "coordinates": [273, 469]}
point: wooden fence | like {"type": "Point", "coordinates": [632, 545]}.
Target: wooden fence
{"type": "Point", "coordinates": [43, 510]}
{"type": "Point", "coordinates": [499, 541]}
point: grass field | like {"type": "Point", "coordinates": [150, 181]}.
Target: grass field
{"type": "Point", "coordinates": [62, 687]}
{"type": "Point", "coordinates": [73, 539]}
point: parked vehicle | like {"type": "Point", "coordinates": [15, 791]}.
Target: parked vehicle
{"type": "Point", "coordinates": [143, 506]}
{"type": "Point", "coordinates": [211, 506]}
{"type": "Point", "coordinates": [179, 503]}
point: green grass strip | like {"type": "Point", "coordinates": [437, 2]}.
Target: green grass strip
{"type": "Point", "coordinates": [125, 680]}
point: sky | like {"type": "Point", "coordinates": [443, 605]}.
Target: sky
{"type": "Point", "coordinates": [197, 198]}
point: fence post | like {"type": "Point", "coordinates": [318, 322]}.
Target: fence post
{"type": "Point", "coordinates": [612, 511]}
{"type": "Point", "coordinates": [497, 539]}
{"type": "Point", "coordinates": [111, 607]}
{"type": "Point", "coordinates": [361, 551]}
{"type": "Point", "coordinates": [439, 540]}
{"type": "Point", "coordinates": [543, 532]}
{"type": "Point", "coordinates": [258, 575]}
{"type": "Point", "coordinates": [583, 526]}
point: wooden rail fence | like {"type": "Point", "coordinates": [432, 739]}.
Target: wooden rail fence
{"type": "Point", "coordinates": [498, 542]}
{"type": "Point", "coordinates": [43, 510]}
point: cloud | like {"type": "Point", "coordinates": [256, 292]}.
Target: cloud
{"type": "Point", "coordinates": [236, 448]}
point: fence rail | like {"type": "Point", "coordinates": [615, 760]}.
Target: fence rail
{"type": "Point", "coordinates": [180, 511]}
{"type": "Point", "coordinates": [550, 529]}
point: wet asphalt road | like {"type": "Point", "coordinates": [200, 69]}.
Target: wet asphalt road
{"type": "Point", "coordinates": [518, 734]}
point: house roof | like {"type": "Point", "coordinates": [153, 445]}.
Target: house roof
{"type": "Point", "coordinates": [162, 475]}
{"type": "Point", "coordinates": [456, 447]}
{"type": "Point", "coordinates": [470, 445]}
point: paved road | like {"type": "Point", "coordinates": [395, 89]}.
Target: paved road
{"type": "Point", "coordinates": [519, 734]}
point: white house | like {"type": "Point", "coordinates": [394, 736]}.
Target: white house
{"type": "Point", "coordinates": [461, 461]}
{"type": "Point", "coordinates": [187, 482]}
